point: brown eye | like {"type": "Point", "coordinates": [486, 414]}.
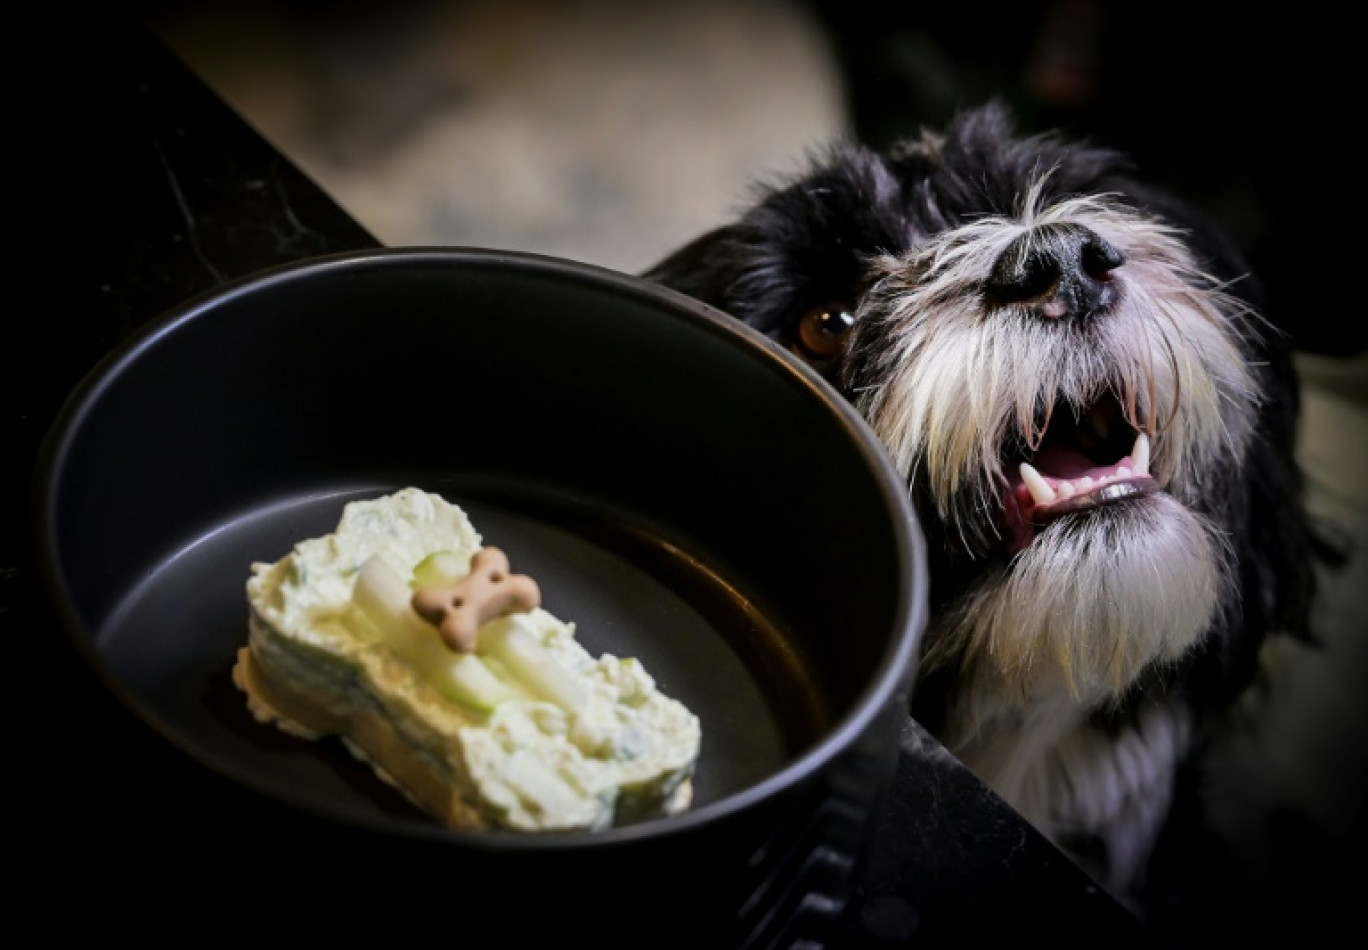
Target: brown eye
{"type": "Point", "coordinates": [822, 331]}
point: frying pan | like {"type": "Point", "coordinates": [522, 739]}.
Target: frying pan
{"type": "Point", "coordinates": [682, 489]}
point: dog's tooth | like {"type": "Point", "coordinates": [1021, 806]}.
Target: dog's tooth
{"type": "Point", "coordinates": [1085, 483]}
{"type": "Point", "coordinates": [1123, 472]}
{"type": "Point", "coordinates": [1066, 490]}
{"type": "Point", "coordinates": [1041, 492]}
{"type": "Point", "coordinates": [1140, 455]}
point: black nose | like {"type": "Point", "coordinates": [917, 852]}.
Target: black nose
{"type": "Point", "coordinates": [1064, 269]}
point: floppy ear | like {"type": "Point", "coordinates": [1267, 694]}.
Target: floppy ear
{"type": "Point", "coordinates": [700, 268]}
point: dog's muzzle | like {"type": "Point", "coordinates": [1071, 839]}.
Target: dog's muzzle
{"type": "Point", "coordinates": [1065, 271]}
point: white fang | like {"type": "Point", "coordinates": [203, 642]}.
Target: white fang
{"type": "Point", "coordinates": [1040, 490]}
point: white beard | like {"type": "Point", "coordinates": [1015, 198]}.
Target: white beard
{"type": "Point", "coordinates": [1089, 605]}
{"type": "Point", "coordinates": [1063, 632]}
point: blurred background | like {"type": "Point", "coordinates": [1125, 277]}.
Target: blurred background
{"type": "Point", "coordinates": [612, 131]}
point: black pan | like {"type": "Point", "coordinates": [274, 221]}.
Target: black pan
{"type": "Point", "coordinates": [682, 490]}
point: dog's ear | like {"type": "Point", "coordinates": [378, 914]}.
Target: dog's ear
{"type": "Point", "coordinates": [761, 281]}
{"type": "Point", "coordinates": [698, 269]}
{"type": "Point", "coordinates": [792, 264]}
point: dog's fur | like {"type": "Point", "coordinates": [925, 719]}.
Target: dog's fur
{"type": "Point", "coordinates": [984, 298]}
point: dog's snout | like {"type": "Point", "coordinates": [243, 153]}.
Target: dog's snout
{"type": "Point", "coordinates": [1066, 270]}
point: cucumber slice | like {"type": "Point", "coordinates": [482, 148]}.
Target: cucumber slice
{"type": "Point", "coordinates": [382, 596]}
{"type": "Point", "coordinates": [464, 678]}
{"type": "Point", "coordinates": [509, 641]}
{"type": "Point", "coordinates": [440, 569]}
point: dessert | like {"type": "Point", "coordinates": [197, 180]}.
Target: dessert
{"type": "Point", "coordinates": [402, 634]}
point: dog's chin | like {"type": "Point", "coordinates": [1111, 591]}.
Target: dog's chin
{"type": "Point", "coordinates": [1094, 598]}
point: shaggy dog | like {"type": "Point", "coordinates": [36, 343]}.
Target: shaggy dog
{"type": "Point", "coordinates": [1097, 429]}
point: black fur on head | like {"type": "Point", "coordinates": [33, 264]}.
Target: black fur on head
{"type": "Point", "coordinates": [986, 299]}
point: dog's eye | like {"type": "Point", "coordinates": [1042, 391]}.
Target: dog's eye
{"type": "Point", "coordinates": [821, 333]}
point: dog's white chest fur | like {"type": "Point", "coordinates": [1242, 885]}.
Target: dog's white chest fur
{"type": "Point", "coordinates": [1068, 776]}
{"type": "Point", "coordinates": [1048, 645]}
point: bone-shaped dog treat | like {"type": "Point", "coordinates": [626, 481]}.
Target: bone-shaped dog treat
{"type": "Point", "coordinates": [487, 592]}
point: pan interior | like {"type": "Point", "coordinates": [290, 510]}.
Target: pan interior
{"type": "Point", "coordinates": [173, 639]}
{"type": "Point", "coordinates": [679, 490]}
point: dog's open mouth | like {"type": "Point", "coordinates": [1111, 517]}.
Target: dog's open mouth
{"type": "Point", "coordinates": [1083, 463]}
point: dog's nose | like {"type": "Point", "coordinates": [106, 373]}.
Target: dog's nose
{"type": "Point", "coordinates": [1066, 269]}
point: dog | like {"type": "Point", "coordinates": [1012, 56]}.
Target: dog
{"type": "Point", "coordinates": [1096, 422]}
